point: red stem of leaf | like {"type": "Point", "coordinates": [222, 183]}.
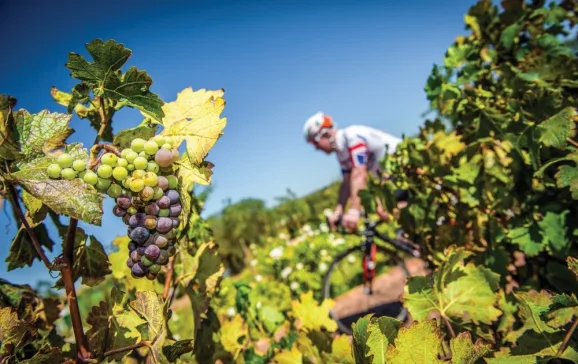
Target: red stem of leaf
{"type": "Point", "coordinates": [83, 351]}
{"type": "Point", "coordinates": [567, 337]}
{"type": "Point", "coordinates": [169, 279]}
{"type": "Point", "coordinates": [33, 238]}
{"type": "Point", "coordinates": [450, 328]}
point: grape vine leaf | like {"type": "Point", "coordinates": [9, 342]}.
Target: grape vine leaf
{"type": "Point", "coordinates": [144, 131]}
{"type": "Point", "coordinates": [464, 351]}
{"type": "Point", "coordinates": [461, 292]}
{"type": "Point", "coordinates": [341, 352]}
{"type": "Point", "coordinates": [194, 117]}
{"type": "Point", "coordinates": [13, 331]}
{"type": "Point", "coordinates": [532, 306]}
{"type": "Point", "coordinates": [567, 176]}
{"type": "Point", "coordinates": [270, 317]}
{"type": "Point", "coordinates": [90, 260]}
{"type": "Point", "coordinates": [232, 334]}
{"type": "Point", "coordinates": [22, 251]}
{"type": "Point", "coordinates": [311, 315]}
{"type": "Point", "coordinates": [113, 325]}
{"type": "Point", "coordinates": [562, 310]}
{"type": "Point", "coordinates": [36, 210]}
{"type": "Point", "coordinates": [555, 130]}
{"type": "Point", "coordinates": [573, 265]}
{"type": "Point", "coordinates": [9, 147]}
{"type": "Point", "coordinates": [420, 343]}
{"type": "Point", "coordinates": [131, 88]}
{"type": "Point", "coordinates": [174, 351]}
{"type": "Point", "coordinates": [529, 238]}
{"type": "Point", "coordinates": [42, 132]}
{"type": "Point", "coordinates": [382, 332]}
{"type": "Point", "coordinates": [288, 356]}
{"type": "Point", "coordinates": [46, 355]}
{"type": "Point", "coordinates": [72, 197]}
{"type": "Point", "coordinates": [150, 307]}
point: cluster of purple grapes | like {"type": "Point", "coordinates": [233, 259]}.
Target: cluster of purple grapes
{"type": "Point", "coordinates": [152, 230]}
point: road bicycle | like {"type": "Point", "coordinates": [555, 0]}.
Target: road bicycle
{"type": "Point", "coordinates": [376, 259]}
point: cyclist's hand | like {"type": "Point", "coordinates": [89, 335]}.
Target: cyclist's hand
{"type": "Point", "coordinates": [332, 218]}
{"type": "Point", "coordinates": [350, 219]}
{"type": "Point", "coordinates": [383, 214]}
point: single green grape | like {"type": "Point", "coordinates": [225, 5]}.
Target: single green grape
{"type": "Point", "coordinates": [90, 177]}
{"type": "Point", "coordinates": [131, 156]}
{"type": "Point", "coordinates": [79, 165]}
{"type": "Point", "coordinates": [151, 147]}
{"type": "Point", "coordinates": [137, 145]}
{"type": "Point", "coordinates": [136, 185]}
{"type": "Point", "coordinates": [146, 261]}
{"type": "Point", "coordinates": [81, 174]}
{"type": "Point", "coordinates": [173, 181]}
{"type": "Point", "coordinates": [119, 173]}
{"type": "Point", "coordinates": [154, 268]}
{"type": "Point", "coordinates": [131, 210]}
{"type": "Point", "coordinates": [139, 173]}
{"type": "Point", "coordinates": [141, 163]}
{"type": "Point", "coordinates": [164, 212]}
{"type": "Point", "coordinates": [144, 155]}
{"type": "Point", "coordinates": [167, 146]}
{"type": "Point", "coordinates": [65, 160]}
{"type": "Point", "coordinates": [103, 184]}
{"type": "Point", "coordinates": [53, 170]}
{"type": "Point", "coordinates": [158, 193]}
{"type": "Point", "coordinates": [151, 179]}
{"type": "Point", "coordinates": [159, 139]}
{"type": "Point", "coordinates": [130, 167]}
{"type": "Point", "coordinates": [68, 173]}
{"type": "Point", "coordinates": [114, 190]}
{"type": "Point", "coordinates": [121, 162]}
{"type": "Point", "coordinates": [104, 171]}
{"type": "Point", "coordinates": [109, 159]}
{"type": "Point", "coordinates": [153, 167]}
{"type": "Point", "coordinates": [125, 152]}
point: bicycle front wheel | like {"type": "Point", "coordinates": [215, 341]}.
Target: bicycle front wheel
{"type": "Point", "coordinates": [344, 283]}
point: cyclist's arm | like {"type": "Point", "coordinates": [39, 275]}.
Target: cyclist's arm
{"type": "Point", "coordinates": [358, 181]}
{"type": "Point", "coordinates": [344, 191]}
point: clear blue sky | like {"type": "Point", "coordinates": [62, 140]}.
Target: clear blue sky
{"type": "Point", "coordinates": [279, 62]}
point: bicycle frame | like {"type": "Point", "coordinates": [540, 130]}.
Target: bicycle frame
{"type": "Point", "coordinates": [367, 245]}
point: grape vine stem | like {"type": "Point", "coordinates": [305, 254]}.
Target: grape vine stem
{"type": "Point", "coordinates": [127, 348]}
{"type": "Point", "coordinates": [31, 234]}
{"type": "Point", "coordinates": [169, 279]}
{"type": "Point", "coordinates": [571, 141]}
{"type": "Point", "coordinates": [83, 351]}
{"type": "Point", "coordinates": [567, 337]}
{"type": "Point", "coordinates": [103, 120]}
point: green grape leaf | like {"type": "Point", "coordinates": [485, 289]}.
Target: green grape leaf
{"type": "Point", "coordinates": [132, 88]}
{"type": "Point", "coordinates": [567, 176]}
{"type": "Point", "coordinates": [9, 146]}
{"type": "Point", "coordinates": [554, 228]}
{"type": "Point", "coordinates": [36, 210]}
{"type": "Point", "coordinates": [461, 292]}
{"type": "Point", "coordinates": [194, 117]}
{"type": "Point", "coordinates": [360, 330]}
{"type": "Point", "coordinates": [340, 351]}
{"type": "Point", "coordinates": [532, 306]}
{"type": "Point", "coordinates": [13, 331]}
{"type": "Point", "coordinates": [508, 35]}
{"type": "Point", "coordinates": [562, 310]}
{"type": "Point", "coordinates": [72, 197]}
{"type": "Point", "coordinates": [150, 307]}
{"type": "Point", "coordinates": [90, 261]}
{"type": "Point", "coordinates": [174, 351]}
{"type": "Point", "coordinates": [466, 352]}
{"type": "Point", "coordinates": [420, 343]}
{"type": "Point", "coordinates": [113, 325]}
{"type": "Point", "coordinates": [270, 317]}
{"type": "Point", "coordinates": [22, 250]}
{"type": "Point", "coordinates": [144, 131]}
{"type": "Point", "coordinates": [529, 239]}
{"type": "Point", "coordinates": [382, 332]}
{"type": "Point", "coordinates": [573, 265]}
{"type": "Point", "coordinates": [555, 130]}
{"type": "Point", "coordinates": [41, 133]}
{"type": "Point", "coordinates": [46, 355]}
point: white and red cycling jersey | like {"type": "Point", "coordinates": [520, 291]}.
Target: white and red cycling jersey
{"type": "Point", "coordinates": [363, 145]}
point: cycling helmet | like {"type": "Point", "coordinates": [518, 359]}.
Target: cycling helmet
{"type": "Point", "coordinates": [316, 125]}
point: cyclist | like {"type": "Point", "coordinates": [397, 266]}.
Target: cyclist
{"type": "Point", "coordinates": [359, 149]}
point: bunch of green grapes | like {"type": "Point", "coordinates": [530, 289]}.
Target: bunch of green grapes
{"type": "Point", "coordinates": [141, 179]}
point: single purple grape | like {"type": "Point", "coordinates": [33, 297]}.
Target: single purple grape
{"type": "Point", "coordinates": [163, 257]}
{"type": "Point", "coordinates": [138, 203]}
{"type": "Point", "coordinates": [137, 220]}
{"type": "Point", "coordinates": [129, 262]}
{"type": "Point", "coordinates": [132, 246]}
{"type": "Point", "coordinates": [161, 241]}
{"type": "Point", "coordinates": [164, 225]}
{"type": "Point", "coordinates": [139, 269]}
{"type": "Point", "coordinates": [163, 182]}
{"type": "Point", "coordinates": [123, 202]}
{"type": "Point", "coordinates": [164, 202]}
{"type": "Point", "coordinates": [175, 210]}
{"type": "Point", "coordinates": [140, 250]}
{"type": "Point", "coordinates": [118, 211]}
{"type": "Point", "coordinates": [139, 234]}
{"type": "Point", "coordinates": [152, 209]}
{"type": "Point", "coordinates": [173, 196]}
{"type": "Point", "coordinates": [176, 222]}
{"type": "Point", "coordinates": [152, 252]}
{"type": "Point", "coordinates": [135, 256]}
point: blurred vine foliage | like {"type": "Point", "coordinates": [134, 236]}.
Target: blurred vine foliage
{"type": "Point", "coordinates": [493, 181]}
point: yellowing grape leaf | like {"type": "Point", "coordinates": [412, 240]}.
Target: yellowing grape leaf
{"type": "Point", "coordinates": [194, 117]}
{"type": "Point", "coordinates": [466, 352]}
{"type": "Point", "coordinates": [420, 343]}
{"type": "Point", "coordinates": [382, 332]}
{"type": "Point", "coordinates": [341, 351]}
{"type": "Point", "coordinates": [285, 356]}
{"type": "Point", "coordinates": [467, 293]}
{"type": "Point", "coordinates": [150, 307]}
{"type": "Point", "coordinates": [231, 332]}
{"type": "Point", "coordinates": [312, 316]}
